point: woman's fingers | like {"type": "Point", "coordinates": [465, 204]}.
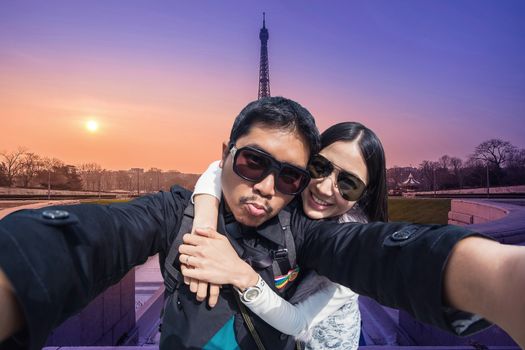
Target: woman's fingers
{"type": "Point", "coordinates": [207, 232]}
{"type": "Point", "coordinates": [214, 294]}
{"type": "Point", "coordinates": [202, 291]}
{"type": "Point", "coordinates": [190, 250]}
{"type": "Point", "coordinates": [192, 239]}
{"type": "Point", "coordinates": [202, 236]}
{"type": "Point", "coordinates": [190, 261]}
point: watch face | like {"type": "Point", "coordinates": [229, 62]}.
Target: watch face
{"type": "Point", "coordinates": [251, 294]}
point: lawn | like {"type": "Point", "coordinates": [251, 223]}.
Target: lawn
{"type": "Point", "coordinates": [420, 210]}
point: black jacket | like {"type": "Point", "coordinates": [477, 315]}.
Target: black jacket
{"type": "Point", "coordinates": [59, 261]}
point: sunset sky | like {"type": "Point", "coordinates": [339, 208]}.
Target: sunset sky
{"type": "Point", "coordinates": [162, 81]}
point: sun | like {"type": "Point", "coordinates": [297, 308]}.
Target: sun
{"type": "Point", "coordinates": [92, 125]}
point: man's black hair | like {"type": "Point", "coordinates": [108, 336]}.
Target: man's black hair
{"type": "Point", "coordinates": [278, 113]}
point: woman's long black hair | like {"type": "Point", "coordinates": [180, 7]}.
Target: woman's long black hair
{"type": "Point", "coordinates": [374, 201]}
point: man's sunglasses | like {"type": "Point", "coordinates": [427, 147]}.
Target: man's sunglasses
{"type": "Point", "coordinates": [253, 165]}
{"type": "Point", "coordinates": [349, 185]}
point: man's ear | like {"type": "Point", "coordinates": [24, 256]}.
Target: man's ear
{"type": "Point", "coordinates": [225, 152]}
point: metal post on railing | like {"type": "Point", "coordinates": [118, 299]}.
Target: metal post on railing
{"type": "Point", "coordinates": [488, 182]}
{"type": "Point", "coordinates": [48, 184]}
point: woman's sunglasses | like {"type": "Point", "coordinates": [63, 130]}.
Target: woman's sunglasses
{"type": "Point", "coordinates": [253, 165]}
{"type": "Point", "coordinates": [349, 185]}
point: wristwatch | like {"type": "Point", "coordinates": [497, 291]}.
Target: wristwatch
{"type": "Point", "coordinates": [251, 293]}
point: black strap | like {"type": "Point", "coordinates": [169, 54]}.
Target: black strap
{"type": "Point", "coordinates": [249, 323]}
{"type": "Point", "coordinates": [284, 259]}
{"type": "Point", "coordinates": [172, 276]}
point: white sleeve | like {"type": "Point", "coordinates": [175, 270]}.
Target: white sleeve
{"type": "Point", "coordinates": [209, 182]}
{"type": "Point", "coordinates": [297, 319]}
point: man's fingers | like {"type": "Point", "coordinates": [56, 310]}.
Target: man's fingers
{"type": "Point", "coordinates": [213, 295]}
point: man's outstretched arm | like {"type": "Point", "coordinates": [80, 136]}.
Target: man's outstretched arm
{"type": "Point", "coordinates": [431, 271]}
{"type": "Point", "coordinates": [487, 278]}
{"type": "Point", "coordinates": [58, 259]}
{"type": "Point", "coordinates": [11, 318]}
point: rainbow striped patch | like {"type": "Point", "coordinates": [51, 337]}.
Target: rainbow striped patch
{"type": "Point", "coordinates": [281, 281]}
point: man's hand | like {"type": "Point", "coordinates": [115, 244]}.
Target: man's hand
{"type": "Point", "coordinates": [214, 260]}
{"type": "Point", "coordinates": [11, 318]}
{"type": "Point", "coordinates": [488, 279]}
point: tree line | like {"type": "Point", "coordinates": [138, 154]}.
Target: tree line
{"type": "Point", "coordinates": [494, 162]}
{"type": "Point", "coordinates": [24, 169]}
{"type": "Point", "coordinates": [503, 162]}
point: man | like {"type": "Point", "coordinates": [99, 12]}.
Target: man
{"type": "Point", "coordinates": [55, 261]}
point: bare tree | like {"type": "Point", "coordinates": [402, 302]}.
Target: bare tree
{"type": "Point", "coordinates": [50, 164]}
{"type": "Point", "coordinates": [517, 158]}
{"type": "Point", "coordinates": [494, 152]}
{"type": "Point", "coordinates": [394, 177]}
{"type": "Point", "coordinates": [456, 165]}
{"type": "Point", "coordinates": [427, 170]}
{"type": "Point", "coordinates": [123, 181]}
{"type": "Point", "coordinates": [12, 164]}
{"type": "Point", "coordinates": [3, 176]}
{"type": "Point", "coordinates": [31, 163]}
{"type": "Point", "coordinates": [516, 167]}
{"type": "Point", "coordinates": [444, 162]}
{"type": "Point", "coordinates": [91, 174]}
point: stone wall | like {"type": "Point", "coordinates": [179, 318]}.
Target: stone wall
{"type": "Point", "coordinates": [468, 212]}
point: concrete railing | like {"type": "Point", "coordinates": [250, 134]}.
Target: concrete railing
{"type": "Point", "coordinates": [502, 220]}
{"type": "Point", "coordinates": [479, 190]}
{"type": "Point", "coordinates": [468, 212]}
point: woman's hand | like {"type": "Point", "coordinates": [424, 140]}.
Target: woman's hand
{"type": "Point", "coordinates": [214, 260]}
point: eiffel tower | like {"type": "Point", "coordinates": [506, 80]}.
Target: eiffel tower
{"type": "Point", "coordinates": [264, 69]}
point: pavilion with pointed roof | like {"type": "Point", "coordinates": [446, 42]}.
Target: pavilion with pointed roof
{"type": "Point", "coordinates": [410, 184]}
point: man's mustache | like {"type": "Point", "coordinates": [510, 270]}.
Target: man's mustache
{"type": "Point", "coordinates": [257, 200]}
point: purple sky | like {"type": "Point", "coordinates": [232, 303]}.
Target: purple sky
{"type": "Point", "coordinates": [161, 77]}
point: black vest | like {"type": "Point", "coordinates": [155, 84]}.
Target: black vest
{"type": "Point", "coordinates": [189, 324]}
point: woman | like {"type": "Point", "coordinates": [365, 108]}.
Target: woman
{"type": "Point", "coordinates": [349, 185]}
